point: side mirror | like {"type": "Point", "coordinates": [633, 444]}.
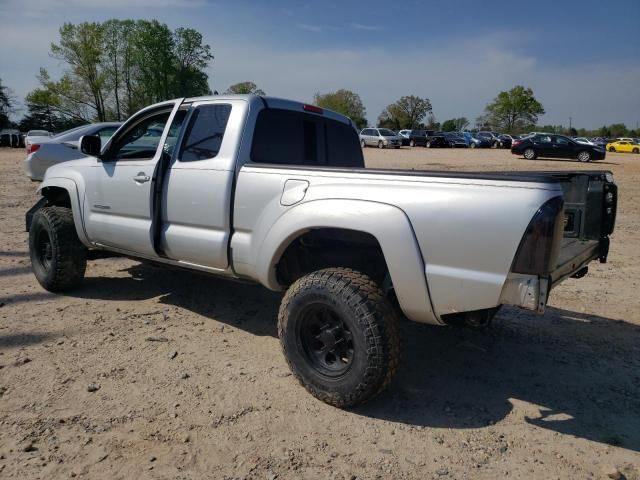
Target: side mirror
{"type": "Point", "coordinates": [91, 145]}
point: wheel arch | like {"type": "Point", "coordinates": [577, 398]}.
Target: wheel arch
{"type": "Point", "coordinates": [64, 192]}
{"type": "Point", "coordinates": [385, 224]}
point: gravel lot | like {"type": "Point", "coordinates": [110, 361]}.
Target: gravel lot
{"type": "Point", "coordinates": [190, 382]}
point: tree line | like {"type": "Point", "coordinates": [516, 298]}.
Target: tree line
{"type": "Point", "coordinates": [114, 68]}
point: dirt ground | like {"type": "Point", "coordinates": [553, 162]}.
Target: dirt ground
{"type": "Point", "coordinates": [192, 384]}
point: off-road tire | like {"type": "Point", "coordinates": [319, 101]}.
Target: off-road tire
{"type": "Point", "coordinates": [58, 258]}
{"type": "Point", "coordinates": [360, 304]}
{"type": "Point", "coordinates": [530, 154]}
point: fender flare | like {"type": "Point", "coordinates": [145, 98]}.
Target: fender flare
{"type": "Point", "coordinates": [388, 224]}
{"type": "Point", "coordinates": [76, 202]}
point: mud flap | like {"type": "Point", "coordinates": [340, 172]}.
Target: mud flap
{"type": "Point", "coordinates": [29, 216]}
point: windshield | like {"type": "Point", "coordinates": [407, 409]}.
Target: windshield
{"type": "Point", "coordinates": [69, 134]}
{"type": "Point", "coordinates": [38, 133]}
{"type": "Point", "coordinates": [386, 133]}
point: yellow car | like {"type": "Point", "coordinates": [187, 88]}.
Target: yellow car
{"type": "Point", "coordinates": [623, 146]}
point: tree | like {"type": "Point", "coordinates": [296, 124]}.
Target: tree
{"type": "Point", "coordinates": [117, 67]}
{"type": "Point", "coordinates": [455, 124]}
{"type": "Point", "coordinates": [516, 109]}
{"type": "Point", "coordinates": [244, 88]}
{"type": "Point", "coordinates": [408, 112]}
{"type": "Point", "coordinates": [6, 106]}
{"type": "Point", "coordinates": [345, 102]}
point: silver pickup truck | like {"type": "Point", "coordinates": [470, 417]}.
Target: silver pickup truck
{"type": "Point", "coordinates": [275, 192]}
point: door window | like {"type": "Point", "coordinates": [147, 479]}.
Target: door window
{"type": "Point", "coordinates": [562, 141]}
{"type": "Point", "coordinates": [204, 135]}
{"type": "Point", "coordinates": [105, 134]}
{"type": "Point", "coordinates": [140, 141]}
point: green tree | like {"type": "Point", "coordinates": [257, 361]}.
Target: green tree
{"type": "Point", "coordinates": [516, 109]}
{"type": "Point", "coordinates": [6, 106]}
{"type": "Point", "coordinates": [408, 112]}
{"type": "Point", "coordinates": [455, 124]}
{"type": "Point", "coordinates": [244, 88]}
{"type": "Point", "coordinates": [191, 58]}
{"type": "Point", "coordinates": [345, 102]}
{"type": "Point", "coordinates": [116, 67]}
{"type": "Point", "coordinates": [81, 48]}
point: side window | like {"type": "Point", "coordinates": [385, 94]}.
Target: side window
{"type": "Point", "coordinates": [205, 132]}
{"type": "Point", "coordinates": [141, 141]}
{"type": "Point", "coordinates": [174, 131]}
{"type": "Point", "coordinates": [105, 134]}
{"type": "Point", "coordinates": [296, 138]}
{"type": "Point", "coordinates": [562, 141]}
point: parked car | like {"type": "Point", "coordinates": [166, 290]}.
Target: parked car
{"type": "Point", "coordinates": [624, 147]}
{"type": "Point", "coordinates": [583, 140]}
{"type": "Point", "coordinates": [35, 136]}
{"type": "Point", "coordinates": [475, 142]}
{"type": "Point", "coordinates": [437, 140]}
{"type": "Point", "coordinates": [238, 199]}
{"type": "Point", "coordinates": [505, 140]}
{"type": "Point", "coordinates": [490, 137]}
{"type": "Point", "coordinates": [10, 137]}
{"type": "Point", "coordinates": [556, 146]}
{"type": "Point", "coordinates": [413, 138]}
{"type": "Point", "coordinates": [380, 137]}
{"type": "Point", "coordinates": [43, 153]}
{"type": "Point", "coordinates": [455, 140]}
{"type": "Point", "coordinates": [600, 142]}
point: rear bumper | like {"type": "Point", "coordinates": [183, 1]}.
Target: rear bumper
{"type": "Point", "coordinates": [532, 292]}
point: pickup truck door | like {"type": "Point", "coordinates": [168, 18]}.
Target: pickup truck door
{"type": "Point", "coordinates": [119, 191]}
{"type": "Point", "coordinates": [198, 186]}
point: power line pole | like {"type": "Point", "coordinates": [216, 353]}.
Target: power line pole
{"type": "Point", "coordinates": [570, 125]}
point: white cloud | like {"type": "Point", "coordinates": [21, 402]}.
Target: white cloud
{"type": "Point", "coordinates": [310, 28]}
{"type": "Point", "coordinates": [366, 28]}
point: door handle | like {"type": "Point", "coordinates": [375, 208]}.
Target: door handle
{"type": "Point", "coordinates": [141, 178]}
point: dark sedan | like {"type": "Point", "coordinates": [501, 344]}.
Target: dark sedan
{"type": "Point", "coordinates": [437, 139]}
{"type": "Point", "coordinates": [556, 146]}
{"type": "Point", "coordinates": [456, 140]}
{"type": "Point", "coordinates": [413, 138]}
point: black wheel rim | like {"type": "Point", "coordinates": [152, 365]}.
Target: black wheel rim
{"type": "Point", "coordinates": [326, 341]}
{"type": "Point", "coordinates": [44, 249]}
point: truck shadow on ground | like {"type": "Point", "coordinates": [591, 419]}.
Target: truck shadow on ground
{"type": "Point", "coordinates": [579, 371]}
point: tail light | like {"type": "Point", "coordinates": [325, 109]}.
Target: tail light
{"type": "Point", "coordinates": [540, 245]}
{"type": "Point", "coordinates": [515, 143]}
{"type": "Point", "coordinates": [312, 109]}
{"type": "Point", "coordinates": [33, 147]}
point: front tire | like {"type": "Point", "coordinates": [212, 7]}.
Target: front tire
{"type": "Point", "coordinates": [339, 335]}
{"type": "Point", "coordinates": [635, 150]}
{"type": "Point", "coordinates": [584, 156]}
{"type": "Point", "coordinates": [363, 144]}
{"type": "Point", "coordinates": [412, 143]}
{"type": "Point", "coordinates": [612, 149]}
{"type": "Point", "coordinates": [58, 258]}
{"type": "Point", "coordinates": [428, 144]}
{"type": "Point", "coordinates": [472, 145]}
{"type": "Point", "coordinates": [530, 154]}
{"type": "Point", "coordinates": [380, 144]}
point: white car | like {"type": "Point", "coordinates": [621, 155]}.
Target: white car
{"type": "Point", "coordinates": [583, 140]}
{"type": "Point", "coordinates": [43, 152]}
{"type": "Point", "coordinates": [33, 136]}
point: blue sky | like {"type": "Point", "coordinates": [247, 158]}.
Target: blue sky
{"type": "Point", "coordinates": [582, 58]}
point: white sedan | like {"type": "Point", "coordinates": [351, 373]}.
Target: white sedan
{"type": "Point", "coordinates": [43, 152]}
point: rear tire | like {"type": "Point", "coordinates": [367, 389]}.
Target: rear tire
{"type": "Point", "coordinates": [584, 156]}
{"type": "Point", "coordinates": [472, 145]}
{"type": "Point", "coordinates": [58, 258]}
{"type": "Point", "coordinates": [530, 154]}
{"type": "Point", "coordinates": [428, 144]}
{"type": "Point", "coordinates": [412, 143]}
{"type": "Point", "coordinates": [635, 150]}
{"type": "Point", "coordinates": [339, 336]}
{"type": "Point", "coordinates": [380, 144]}
{"type": "Point", "coordinates": [612, 149]}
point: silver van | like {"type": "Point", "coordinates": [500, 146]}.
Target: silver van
{"type": "Point", "coordinates": [380, 137]}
